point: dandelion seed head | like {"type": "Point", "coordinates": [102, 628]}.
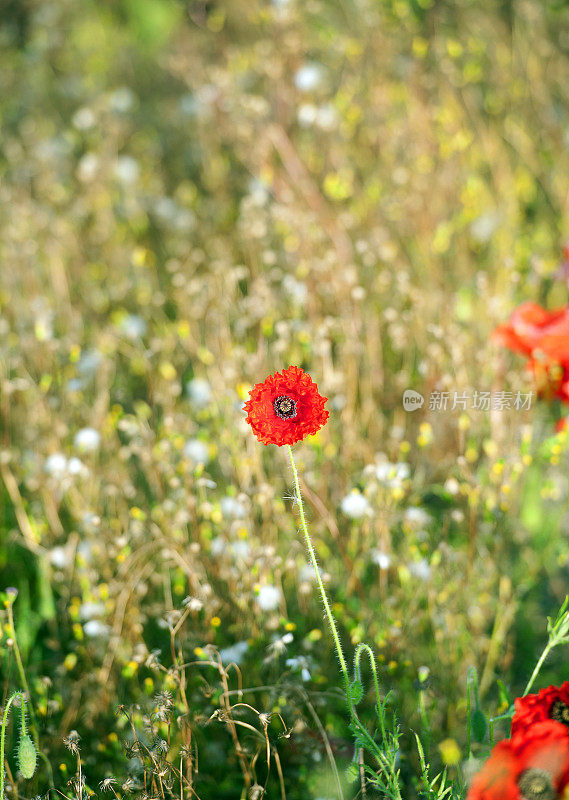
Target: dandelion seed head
{"type": "Point", "coordinates": [56, 465]}
{"type": "Point", "coordinates": [416, 518]}
{"type": "Point", "coordinates": [355, 505]}
{"type": "Point", "coordinates": [60, 557]}
{"type": "Point", "coordinates": [380, 558]}
{"type": "Point", "coordinates": [87, 440]}
{"type": "Point", "coordinates": [309, 77]}
{"type": "Point", "coordinates": [199, 391]}
{"type": "Point", "coordinates": [96, 629]}
{"type": "Point", "coordinates": [196, 451]}
{"type": "Point", "coordinates": [235, 653]}
{"type": "Point", "coordinates": [268, 597]}
{"type": "Point", "coordinates": [232, 508]}
{"type": "Point", "coordinates": [420, 569]}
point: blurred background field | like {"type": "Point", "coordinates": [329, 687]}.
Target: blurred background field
{"type": "Point", "coordinates": [194, 195]}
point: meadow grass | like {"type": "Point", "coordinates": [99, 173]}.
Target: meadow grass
{"type": "Point", "coordinates": [194, 196]}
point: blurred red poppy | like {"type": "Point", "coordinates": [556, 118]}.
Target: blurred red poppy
{"type": "Point", "coordinates": [550, 703]}
{"type": "Point", "coordinates": [286, 407]}
{"type": "Point", "coordinates": [532, 330]}
{"type": "Point", "coordinates": [530, 766]}
{"type": "Point", "coordinates": [544, 337]}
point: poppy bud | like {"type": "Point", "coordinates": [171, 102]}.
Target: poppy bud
{"type": "Point", "coordinates": [27, 757]}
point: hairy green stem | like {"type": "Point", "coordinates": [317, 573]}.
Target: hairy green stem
{"type": "Point", "coordinates": [34, 723]}
{"type": "Point", "coordinates": [323, 594]}
{"type": "Point", "coordinates": [21, 670]}
{"type": "Point", "coordinates": [3, 734]}
{"type": "Point", "coordinates": [358, 729]}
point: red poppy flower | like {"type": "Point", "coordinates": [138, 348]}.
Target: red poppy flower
{"type": "Point", "coordinates": [286, 407]}
{"type": "Point", "coordinates": [562, 424]}
{"type": "Point", "coordinates": [530, 766]}
{"type": "Point", "coordinates": [544, 336]}
{"type": "Point", "coordinates": [549, 703]}
{"type": "Point", "coordinates": [533, 330]}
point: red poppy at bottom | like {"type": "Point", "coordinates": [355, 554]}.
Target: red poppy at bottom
{"type": "Point", "coordinates": [530, 766]}
{"type": "Point", "coordinates": [286, 407]}
{"type": "Point", "coordinates": [549, 703]}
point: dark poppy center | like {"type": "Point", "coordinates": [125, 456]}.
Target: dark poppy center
{"type": "Point", "coordinates": [285, 407]}
{"type": "Point", "coordinates": [559, 711]}
{"type": "Point", "coordinates": [536, 784]}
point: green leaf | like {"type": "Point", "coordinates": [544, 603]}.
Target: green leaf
{"type": "Point", "coordinates": [478, 726]}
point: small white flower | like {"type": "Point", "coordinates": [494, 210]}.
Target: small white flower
{"type": "Point", "coordinates": [307, 115]}
{"type": "Point", "coordinates": [87, 167]}
{"type": "Point", "coordinates": [218, 546]}
{"type": "Point", "coordinates": [133, 327]}
{"type": "Point", "coordinates": [452, 486]}
{"type": "Point", "coordinates": [327, 117]}
{"type": "Point", "coordinates": [308, 77]}
{"type": "Point", "coordinates": [307, 573]}
{"type": "Point", "coordinates": [391, 475]}
{"type": "Point", "coordinates": [95, 628]}
{"type": "Point", "coordinates": [402, 471]}
{"type": "Point", "coordinates": [91, 523]}
{"type": "Point", "coordinates": [234, 653]}
{"type": "Point", "coordinates": [207, 482]}
{"type": "Point", "coordinates": [122, 99]}
{"type": "Point", "coordinates": [297, 290]}
{"type": "Point", "coordinates": [199, 392]}
{"type": "Point", "coordinates": [420, 569]}
{"type": "Point", "coordinates": [90, 610]}
{"type": "Point", "coordinates": [83, 119]}
{"type": "Point", "coordinates": [232, 508]}
{"type": "Point", "coordinates": [299, 663]}
{"type": "Point", "coordinates": [189, 105]}
{"type": "Point", "coordinates": [85, 551]}
{"type": "Point", "coordinates": [380, 558]}
{"type": "Point", "coordinates": [268, 598]}
{"type": "Point", "coordinates": [355, 505]}
{"type": "Point", "coordinates": [170, 213]}
{"type": "Point", "coordinates": [483, 227]}
{"type": "Point", "coordinates": [197, 451]}
{"type": "Point", "coordinates": [127, 169]}
{"type": "Point", "coordinates": [241, 550]}
{"type": "Point", "coordinates": [89, 362]}
{"type": "Point", "coordinates": [397, 432]}
{"type": "Point", "coordinates": [87, 440]}
{"type": "Point", "coordinates": [60, 557]}
{"type": "Point", "coordinates": [193, 603]}
{"type": "Point", "coordinates": [258, 191]}
{"type": "Point", "coordinates": [76, 467]}
{"type": "Point", "coordinates": [416, 518]}
{"type": "Point", "coordinates": [56, 465]}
